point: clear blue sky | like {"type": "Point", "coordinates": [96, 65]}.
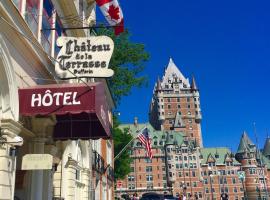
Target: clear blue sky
{"type": "Point", "coordinates": [225, 44]}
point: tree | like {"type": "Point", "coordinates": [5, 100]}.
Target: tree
{"type": "Point", "coordinates": [128, 61]}
{"type": "Point", "coordinates": [122, 163]}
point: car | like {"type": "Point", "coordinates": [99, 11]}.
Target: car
{"type": "Point", "coordinates": [169, 197]}
{"type": "Point", "coordinates": [152, 196]}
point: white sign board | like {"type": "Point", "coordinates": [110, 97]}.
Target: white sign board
{"type": "Point", "coordinates": [37, 162]}
{"type": "Point", "coordinates": [84, 57]}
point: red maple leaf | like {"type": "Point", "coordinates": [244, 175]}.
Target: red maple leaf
{"type": "Point", "coordinates": [114, 12]}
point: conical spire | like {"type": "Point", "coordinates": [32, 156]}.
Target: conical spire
{"type": "Point", "coordinates": [245, 143]}
{"type": "Point", "coordinates": [266, 149]}
{"type": "Point", "coordinates": [193, 84]}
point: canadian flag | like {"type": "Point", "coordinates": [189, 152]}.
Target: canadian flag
{"type": "Point", "coordinates": [113, 13]}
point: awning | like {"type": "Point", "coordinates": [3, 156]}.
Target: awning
{"type": "Point", "coordinates": [81, 110]}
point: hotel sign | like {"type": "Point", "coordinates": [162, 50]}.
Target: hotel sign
{"type": "Point", "coordinates": [37, 162]}
{"type": "Point", "coordinates": [84, 57]}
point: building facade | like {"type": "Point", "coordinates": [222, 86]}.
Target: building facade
{"type": "Point", "coordinates": [81, 168]}
{"type": "Point", "coordinates": [180, 163]}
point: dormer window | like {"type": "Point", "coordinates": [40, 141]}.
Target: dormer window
{"type": "Point", "coordinates": [216, 155]}
{"type": "Point", "coordinates": [211, 164]}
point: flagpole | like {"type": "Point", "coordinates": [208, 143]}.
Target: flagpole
{"type": "Point", "coordinates": [125, 147]}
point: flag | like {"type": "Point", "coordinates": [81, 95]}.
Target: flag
{"type": "Point", "coordinates": [113, 13]}
{"type": "Point", "coordinates": [145, 140]}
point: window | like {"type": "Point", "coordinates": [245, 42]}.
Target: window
{"type": "Point", "coordinates": [169, 106]}
{"type": "Point", "coordinates": [132, 169]}
{"type": "Point", "coordinates": [131, 186]}
{"type": "Point", "coordinates": [193, 173]}
{"type": "Point", "coordinates": [169, 100]}
{"type": "Point", "coordinates": [188, 99]}
{"type": "Point", "coordinates": [78, 175]}
{"type": "Point", "coordinates": [188, 106]}
{"type": "Point", "coordinates": [131, 178]}
{"type": "Point", "coordinates": [252, 171]}
{"type": "Point", "coordinates": [180, 174]}
{"type": "Point", "coordinates": [149, 177]}
{"type": "Point", "coordinates": [233, 180]}
{"type": "Point", "coordinates": [149, 186]}
{"type": "Point", "coordinates": [194, 184]}
{"type": "Point", "coordinates": [189, 113]}
{"type": "Point", "coordinates": [235, 190]}
{"type": "Point", "coordinates": [178, 106]}
{"type": "Point", "coordinates": [178, 99]}
{"type": "Point", "coordinates": [148, 169]}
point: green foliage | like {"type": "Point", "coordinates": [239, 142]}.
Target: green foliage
{"type": "Point", "coordinates": [122, 163]}
{"type": "Point", "coordinates": [128, 61]}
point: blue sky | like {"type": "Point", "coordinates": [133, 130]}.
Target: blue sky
{"type": "Point", "coordinates": [225, 44]}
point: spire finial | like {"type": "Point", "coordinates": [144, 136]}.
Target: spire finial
{"type": "Point", "coordinates": [193, 84]}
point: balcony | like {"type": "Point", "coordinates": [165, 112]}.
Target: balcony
{"type": "Point", "coordinates": [98, 163]}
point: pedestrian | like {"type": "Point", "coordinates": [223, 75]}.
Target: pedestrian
{"type": "Point", "coordinates": [135, 196]}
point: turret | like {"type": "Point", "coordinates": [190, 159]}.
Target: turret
{"type": "Point", "coordinates": [246, 155]}
{"type": "Point", "coordinates": [266, 149]}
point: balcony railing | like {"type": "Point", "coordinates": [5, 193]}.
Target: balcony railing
{"type": "Point", "coordinates": [98, 163]}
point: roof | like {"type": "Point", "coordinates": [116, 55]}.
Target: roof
{"type": "Point", "coordinates": [266, 149]}
{"type": "Point", "coordinates": [218, 153]}
{"type": "Point", "coordinates": [172, 71]}
{"type": "Point", "coordinates": [246, 144]}
{"type": "Point", "coordinates": [158, 138]}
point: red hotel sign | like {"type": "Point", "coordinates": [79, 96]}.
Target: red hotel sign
{"type": "Point", "coordinates": [81, 110]}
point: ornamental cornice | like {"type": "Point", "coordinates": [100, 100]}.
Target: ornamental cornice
{"type": "Point", "coordinates": [10, 127]}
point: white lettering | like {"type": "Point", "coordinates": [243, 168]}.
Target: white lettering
{"type": "Point", "coordinates": [74, 99]}
{"type": "Point", "coordinates": [57, 97]}
{"type": "Point", "coordinates": [34, 99]}
{"type": "Point", "coordinates": [48, 97]}
{"type": "Point", "coordinates": [67, 96]}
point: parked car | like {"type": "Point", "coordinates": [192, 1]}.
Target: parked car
{"type": "Point", "coordinates": [152, 196]}
{"type": "Point", "coordinates": [169, 197]}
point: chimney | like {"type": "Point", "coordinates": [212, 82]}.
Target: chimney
{"type": "Point", "coordinates": [135, 121]}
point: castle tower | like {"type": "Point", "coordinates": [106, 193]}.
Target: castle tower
{"type": "Point", "coordinates": [176, 104]}
{"type": "Point", "coordinates": [247, 156]}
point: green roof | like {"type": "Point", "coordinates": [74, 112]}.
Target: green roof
{"type": "Point", "coordinates": [159, 138]}
{"type": "Point", "coordinates": [219, 154]}
{"type": "Point", "coordinates": [246, 144]}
